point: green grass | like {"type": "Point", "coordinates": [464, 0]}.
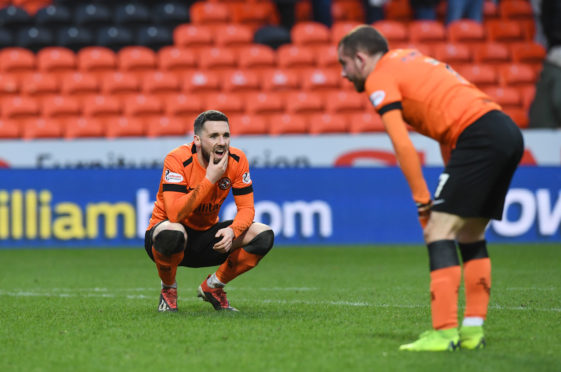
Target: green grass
{"type": "Point", "coordinates": [302, 309]}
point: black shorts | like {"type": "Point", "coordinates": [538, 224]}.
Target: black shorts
{"type": "Point", "coordinates": [199, 252]}
{"type": "Point", "coordinates": [477, 177]}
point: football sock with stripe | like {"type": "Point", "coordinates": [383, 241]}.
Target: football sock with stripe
{"type": "Point", "coordinates": [477, 278]}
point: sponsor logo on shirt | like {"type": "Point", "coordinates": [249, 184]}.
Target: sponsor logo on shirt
{"type": "Point", "coordinates": [173, 177]}
{"type": "Point", "coordinates": [377, 97]}
{"type": "Point", "coordinates": [246, 178]}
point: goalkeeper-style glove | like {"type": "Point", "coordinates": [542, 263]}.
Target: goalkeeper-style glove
{"type": "Point", "coordinates": [423, 209]}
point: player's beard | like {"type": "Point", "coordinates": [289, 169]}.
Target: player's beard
{"type": "Point", "coordinates": [359, 84]}
{"type": "Point", "coordinates": [206, 153]}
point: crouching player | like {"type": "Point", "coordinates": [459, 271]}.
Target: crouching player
{"type": "Point", "coordinates": [184, 229]}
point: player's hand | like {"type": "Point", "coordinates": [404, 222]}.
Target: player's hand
{"type": "Point", "coordinates": [215, 171]}
{"type": "Point", "coordinates": [227, 237]}
{"type": "Point", "coordinates": [423, 209]}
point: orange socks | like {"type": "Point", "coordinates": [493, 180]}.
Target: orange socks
{"type": "Point", "coordinates": [477, 283]}
{"type": "Point", "coordinates": [444, 285]}
{"type": "Point", "coordinates": [237, 263]}
{"type": "Point", "coordinates": [167, 266]}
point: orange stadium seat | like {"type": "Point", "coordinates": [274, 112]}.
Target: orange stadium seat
{"type": "Point", "coordinates": [504, 31]}
{"type": "Point", "coordinates": [398, 10]}
{"type": "Point", "coordinates": [17, 61]}
{"type": "Point", "coordinates": [490, 10]}
{"type": "Point", "coordinates": [527, 94]}
{"type": "Point", "coordinates": [201, 82]}
{"type": "Point", "coordinates": [163, 85]}
{"type": "Point", "coordinates": [422, 31]}
{"type": "Point", "coordinates": [166, 126]}
{"type": "Point", "coordinates": [265, 103]}
{"type": "Point", "coordinates": [344, 102]}
{"type": "Point", "coordinates": [84, 127]}
{"type": "Point", "coordinates": [257, 58]}
{"type": "Point", "coordinates": [394, 31]}
{"type": "Point", "coordinates": [304, 103]}
{"type": "Point", "coordinates": [328, 123]}
{"type": "Point", "coordinates": [10, 129]}
{"type": "Point", "coordinates": [138, 60]}
{"type": "Point", "coordinates": [466, 31]}
{"type": "Point", "coordinates": [209, 13]}
{"type": "Point", "coordinates": [184, 106]}
{"type": "Point", "coordinates": [245, 124]}
{"type": "Point", "coordinates": [455, 54]}
{"type": "Point", "coordinates": [217, 59]}
{"type": "Point", "coordinates": [517, 74]}
{"type": "Point", "coordinates": [9, 85]}
{"type": "Point", "coordinates": [39, 85]}
{"type": "Point", "coordinates": [530, 53]}
{"type": "Point", "coordinates": [516, 10]}
{"type": "Point", "coordinates": [347, 10]}
{"type": "Point", "coordinates": [254, 14]}
{"type": "Point", "coordinates": [365, 122]}
{"type": "Point", "coordinates": [97, 60]}
{"type": "Point", "coordinates": [287, 124]}
{"type": "Point", "coordinates": [340, 29]}
{"type": "Point", "coordinates": [327, 57]}
{"type": "Point", "coordinates": [280, 80]}
{"type": "Point", "coordinates": [120, 85]}
{"type": "Point", "coordinates": [233, 36]}
{"type": "Point", "coordinates": [228, 103]}
{"type": "Point", "coordinates": [61, 107]}
{"type": "Point", "coordinates": [177, 60]}
{"type": "Point", "coordinates": [56, 60]}
{"type": "Point", "coordinates": [41, 128]}
{"type": "Point", "coordinates": [125, 127]}
{"type": "Point", "coordinates": [491, 53]}
{"type": "Point", "coordinates": [193, 36]}
{"type": "Point", "coordinates": [294, 56]}
{"type": "Point", "coordinates": [240, 81]}
{"type": "Point", "coordinates": [321, 81]}
{"type": "Point", "coordinates": [507, 97]}
{"type": "Point", "coordinates": [310, 33]}
{"type": "Point", "coordinates": [19, 107]}
{"type": "Point", "coordinates": [142, 106]}
{"type": "Point", "coordinates": [79, 85]}
{"type": "Point", "coordinates": [519, 116]}
{"type": "Point", "coordinates": [101, 106]}
{"type": "Point", "coordinates": [481, 75]}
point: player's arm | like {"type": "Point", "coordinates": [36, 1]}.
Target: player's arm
{"type": "Point", "coordinates": [242, 189]}
{"type": "Point", "coordinates": [409, 161]}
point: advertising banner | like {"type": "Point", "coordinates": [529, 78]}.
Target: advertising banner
{"type": "Point", "coordinates": [111, 207]}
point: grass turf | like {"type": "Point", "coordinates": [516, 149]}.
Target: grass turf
{"type": "Point", "coordinates": [302, 309]}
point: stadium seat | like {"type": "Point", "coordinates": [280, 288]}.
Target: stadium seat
{"type": "Point", "coordinates": [466, 31]}
{"type": "Point", "coordinates": [19, 107]}
{"type": "Point", "coordinates": [455, 54]}
{"type": "Point", "coordinates": [217, 59]}
{"type": "Point", "coordinates": [504, 31]}
{"type": "Point", "coordinates": [340, 29]}
{"type": "Point", "coordinates": [17, 61]}
{"type": "Point", "coordinates": [293, 56]}
{"type": "Point", "coordinates": [131, 15]}
{"type": "Point", "coordinates": [310, 34]}
{"type": "Point", "coordinates": [40, 85]}
{"type": "Point", "coordinates": [272, 36]}
{"type": "Point", "coordinates": [170, 13]}
{"type": "Point", "coordinates": [507, 97]}
{"type": "Point", "coordinates": [209, 13]}
{"type": "Point", "coordinates": [56, 61]}
{"type": "Point", "coordinates": [490, 10]}
{"type": "Point", "coordinates": [80, 85]}
{"type": "Point", "coordinates": [125, 127]}
{"type": "Point", "coordinates": [10, 129]}
{"type": "Point", "coordinates": [38, 128]}
{"type": "Point", "coordinates": [97, 60]}
{"type": "Point", "coordinates": [398, 11]}
{"type": "Point", "coordinates": [163, 85]}
{"type": "Point", "coordinates": [166, 126]}
{"type": "Point", "coordinates": [347, 11]}
{"type": "Point", "coordinates": [228, 103]}
{"type": "Point", "coordinates": [101, 106]}
{"type": "Point", "coordinates": [530, 53]}
{"type": "Point", "coordinates": [60, 107]}
{"type": "Point", "coordinates": [7, 39]}
{"type": "Point", "coordinates": [184, 106]}
{"type": "Point", "coordinates": [75, 38]}
{"type": "Point", "coordinates": [13, 17]}
{"type": "Point", "coordinates": [365, 122]}
{"type": "Point", "coordinates": [245, 124]}
{"type": "Point", "coordinates": [265, 103]}
{"type": "Point", "coordinates": [254, 14]}
{"type": "Point", "coordinates": [304, 103]}
{"type": "Point", "coordinates": [257, 58]}
{"type": "Point", "coordinates": [200, 82]}
{"type": "Point", "coordinates": [32, 6]}
{"type": "Point", "coordinates": [516, 10]}
{"type": "Point", "coordinates": [176, 60]}
{"type": "Point", "coordinates": [147, 108]}
{"type": "Point", "coordinates": [344, 103]}
{"type": "Point", "coordinates": [154, 37]}
{"type": "Point", "coordinates": [35, 38]}
{"type": "Point", "coordinates": [527, 94]}
{"type": "Point", "coordinates": [327, 57]}
{"type": "Point", "coordinates": [427, 32]}
{"type": "Point", "coordinates": [287, 124]}
{"type": "Point", "coordinates": [491, 53]}
{"type": "Point", "coordinates": [137, 60]}
{"type": "Point", "coordinates": [328, 123]}
{"type": "Point", "coordinates": [92, 15]}
{"type": "Point", "coordinates": [114, 37]}
{"type": "Point", "coordinates": [321, 81]}
{"type": "Point", "coordinates": [233, 36]}
{"type": "Point", "coordinates": [9, 86]}
{"type": "Point", "coordinates": [240, 81]}
{"type": "Point", "coordinates": [54, 16]}
{"type": "Point", "coordinates": [84, 127]}
{"type": "Point", "coordinates": [394, 31]}
{"type": "Point", "coordinates": [120, 85]}
{"type": "Point", "coordinates": [280, 80]}
{"type": "Point", "coordinates": [480, 75]}
{"type": "Point", "coordinates": [193, 36]}
{"type": "Point", "coordinates": [517, 74]}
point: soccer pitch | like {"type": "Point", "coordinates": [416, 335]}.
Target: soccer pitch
{"type": "Point", "coordinates": [336, 308]}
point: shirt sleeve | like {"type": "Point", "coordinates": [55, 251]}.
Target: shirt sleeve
{"type": "Point", "coordinates": [242, 189]}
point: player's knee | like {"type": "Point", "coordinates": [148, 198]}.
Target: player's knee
{"type": "Point", "coordinates": [169, 238]}
{"type": "Point", "coordinates": [262, 243]}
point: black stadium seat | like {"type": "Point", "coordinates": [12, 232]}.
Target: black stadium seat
{"type": "Point", "coordinates": [34, 38]}
{"type": "Point", "coordinates": [154, 37]}
{"type": "Point", "coordinates": [273, 36]}
{"type": "Point", "coordinates": [13, 18]}
{"type": "Point", "coordinates": [54, 16]}
{"type": "Point", "coordinates": [132, 15]}
{"type": "Point", "coordinates": [170, 13]}
{"type": "Point", "coordinates": [75, 38]}
{"type": "Point", "coordinates": [114, 37]}
{"type": "Point", "coordinates": [93, 15]}
{"type": "Point", "coordinates": [6, 38]}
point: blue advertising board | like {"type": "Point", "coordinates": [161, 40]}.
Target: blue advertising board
{"type": "Point", "coordinates": [73, 208]}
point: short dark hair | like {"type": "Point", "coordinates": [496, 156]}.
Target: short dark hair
{"type": "Point", "coordinates": [366, 39]}
{"type": "Point", "coordinates": [209, 115]}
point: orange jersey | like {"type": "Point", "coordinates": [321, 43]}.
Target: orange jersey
{"type": "Point", "coordinates": [184, 188]}
{"type": "Point", "coordinates": [436, 101]}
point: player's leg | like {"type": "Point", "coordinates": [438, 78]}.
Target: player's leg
{"type": "Point", "coordinates": [167, 242]}
{"type": "Point", "coordinates": [247, 250]}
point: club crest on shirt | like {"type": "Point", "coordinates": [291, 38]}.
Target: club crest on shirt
{"type": "Point", "coordinates": [246, 178]}
{"type": "Point", "coordinates": [377, 97]}
{"type": "Point", "coordinates": [224, 183]}
{"type": "Point", "coordinates": [173, 177]}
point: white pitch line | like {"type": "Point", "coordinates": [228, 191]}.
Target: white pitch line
{"type": "Point", "coordinates": [96, 294]}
